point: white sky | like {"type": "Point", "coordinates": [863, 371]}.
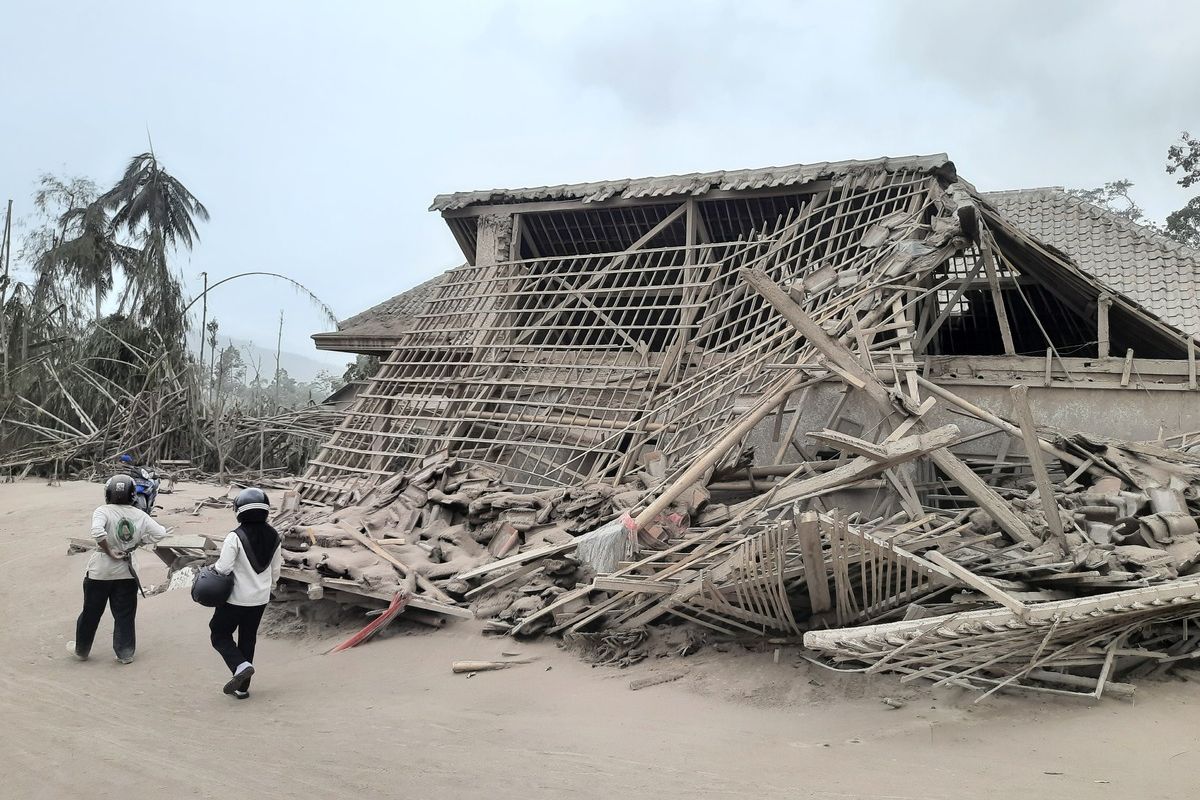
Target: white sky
{"type": "Point", "coordinates": [318, 132]}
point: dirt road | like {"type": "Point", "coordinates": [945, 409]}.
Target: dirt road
{"type": "Point", "coordinates": [389, 720]}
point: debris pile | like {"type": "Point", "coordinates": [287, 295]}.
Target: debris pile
{"type": "Point", "coordinates": [429, 533]}
{"type": "Point", "coordinates": [561, 445]}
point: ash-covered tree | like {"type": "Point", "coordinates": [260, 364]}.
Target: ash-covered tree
{"type": "Point", "coordinates": [92, 255]}
{"type": "Point", "coordinates": [160, 213]}
{"type": "Point", "coordinates": [362, 368]}
{"type": "Point", "coordinates": [1115, 197]}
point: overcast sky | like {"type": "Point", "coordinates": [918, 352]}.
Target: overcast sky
{"type": "Point", "coordinates": [317, 133]}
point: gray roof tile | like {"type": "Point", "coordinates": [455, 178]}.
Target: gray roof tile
{"type": "Point", "coordinates": [1147, 266]}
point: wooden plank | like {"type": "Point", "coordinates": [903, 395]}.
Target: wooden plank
{"type": "Point", "coordinates": [1128, 367]}
{"type": "Point", "coordinates": [1103, 344]}
{"type": "Point", "coordinates": [648, 586]}
{"type": "Point", "coordinates": [816, 579]}
{"type": "Point", "coordinates": [1186, 590]}
{"type": "Point", "coordinates": [979, 583]}
{"type": "Point", "coordinates": [700, 467]}
{"type": "Point", "coordinates": [355, 588]}
{"type": "Point", "coordinates": [1191, 363]}
{"type": "Point", "coordinates": [983, 495]}
{"type": "Point", "coordinates": [1004, 425]}
{"type": "Point", "coordinates": [503, 580]}
{"type": "Point", "coordinates": [1020, 398]}
{"type": "Point", "coordinates": [424, 583]}
{"type": "Point", "coordinates": [989, 267]}
{"type": "Point", "coordinates": [519, 558]}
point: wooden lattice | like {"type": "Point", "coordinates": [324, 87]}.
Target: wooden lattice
{"type": "Point", "coordinates": [561, 370]}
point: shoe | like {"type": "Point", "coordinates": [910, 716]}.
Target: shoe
{"type": "Point", "coordinates": [124, 659]}
{"type": "Point", "coordinates": [238, 682]}
{"type": "Point", "coordinates": [241, 694]}
{"type": "Point", "coordinates": [71, 649]}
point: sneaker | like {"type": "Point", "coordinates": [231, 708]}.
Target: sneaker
{"type": "Point", "coordinates": [124, 659]}
{"type": "Point", "coordinates": [241, 694]}
{"type": "Point", "coordinates": [71, 649]}
{"type": "Point", "coordinates": [238, 682]}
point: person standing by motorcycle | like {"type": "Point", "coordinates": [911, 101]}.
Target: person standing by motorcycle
{"type": "Point", "coordinates": [111, 578]}
{"type": "Point", "coordinates": [252, 555]}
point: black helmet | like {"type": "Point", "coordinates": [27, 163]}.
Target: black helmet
{"type": "Point", "coordinates": [251, 499]}
{"type": "Point", "coordinates": [119, 490]}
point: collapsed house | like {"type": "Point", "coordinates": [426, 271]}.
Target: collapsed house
{"type": "Point", "coordinates": [854, 399]}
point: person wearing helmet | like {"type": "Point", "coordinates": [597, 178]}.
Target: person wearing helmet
{"type": "Point", "coordinates": [252, 555]}
{"type": "Point", "coordinates": [119, 528]}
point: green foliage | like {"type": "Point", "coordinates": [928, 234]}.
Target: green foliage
{"type": "Point", "coordinates": [1183, 159]}
{"type": "Point", "coordinates": [1184, 225]}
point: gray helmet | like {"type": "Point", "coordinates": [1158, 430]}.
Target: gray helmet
{"type": "Point", "coordinates": [119, 490]}
{"type": "Point", "coordinates": [250, 499]}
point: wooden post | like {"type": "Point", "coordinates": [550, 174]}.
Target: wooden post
{"type": "Point", "coordinates": [1191, 363]}
{"type": "Point", "coordinates": [1033, 449]}
{"type": "Point", "coordinates": [1102, 325]}
{"type": "Point", "coordinates": [808, 531]}
{"type": "Point", "coordinates": [989, 266]}
{"type": "Point", "coordinates": [1049, 366]}
{"type": "Point", "coordinates": [1128, 367]}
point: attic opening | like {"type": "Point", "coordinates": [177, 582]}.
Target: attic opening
{"type": "Point", "coordinates": [620, 277]}
{"type": "Point", "coordinates": [963, 318]}
{"type": "Point", "coordinates": [613, 229]}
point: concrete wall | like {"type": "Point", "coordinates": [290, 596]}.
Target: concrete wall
{"type": "Point", "coordinates": [1129, 413]}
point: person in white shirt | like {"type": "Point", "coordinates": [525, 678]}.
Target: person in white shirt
{"type": "Point", "coordinates": [111, 579]}
{"type": "Point", "coordinates": [252, 554]}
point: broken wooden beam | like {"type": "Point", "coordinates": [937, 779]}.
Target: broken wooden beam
{"type": "Point", "coordinates": [996, 507]}
{"type": "Point", "coordinates": [1020, 399]}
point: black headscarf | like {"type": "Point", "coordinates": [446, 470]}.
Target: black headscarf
{"type": "Point", "coordinates": [262, 537]}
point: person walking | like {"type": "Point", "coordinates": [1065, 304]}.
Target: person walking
{"type": "Point", "coordinates": [111, 578]}
{"type": "Point", "coordinates": [252, 555]}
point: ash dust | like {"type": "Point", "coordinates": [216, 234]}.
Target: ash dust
{"type": "Point", "coordinates": [388, 718]}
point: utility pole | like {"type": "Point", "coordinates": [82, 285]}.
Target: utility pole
{"type": "Point", "coordinates": [278, 347]}
{"type": "Point", "coordinates": [203, 319]}
{"type": "Point", "coordinates": [6, 255]}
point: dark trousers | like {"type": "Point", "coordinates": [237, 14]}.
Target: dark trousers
{"type": "Point", "coordinates": [228, 619]}
{"type": "Point", "coordinates": [121, 597]}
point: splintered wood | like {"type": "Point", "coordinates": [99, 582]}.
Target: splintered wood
{"type": "Point", "coordinates": [550, 417]}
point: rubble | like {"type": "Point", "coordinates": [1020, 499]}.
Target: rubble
{"type": "Point", "coordinates": [552, 476]}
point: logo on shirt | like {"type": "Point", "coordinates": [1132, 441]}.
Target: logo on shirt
{"type": "Point", "coordinates": [125, 532]}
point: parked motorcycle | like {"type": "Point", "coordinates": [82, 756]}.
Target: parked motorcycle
{"type": "Point", "coordinates": [145, 484]}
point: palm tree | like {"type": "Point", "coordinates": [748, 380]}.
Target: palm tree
{"type": "Point", "coordinates": [147, 200]}
{"type": "Point", "coordinates": [89, 258]}
{"type": "Point", "coordinates": [157, 209]}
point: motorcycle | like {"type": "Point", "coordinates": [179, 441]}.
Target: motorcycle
{"type": "Point", "coordinates": [145, 485]}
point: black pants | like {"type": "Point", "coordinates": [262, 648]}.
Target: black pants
{"type": "Point", "coordinates": [243, 620]}
{"type": "Point", "coordinates": [121, 597]}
